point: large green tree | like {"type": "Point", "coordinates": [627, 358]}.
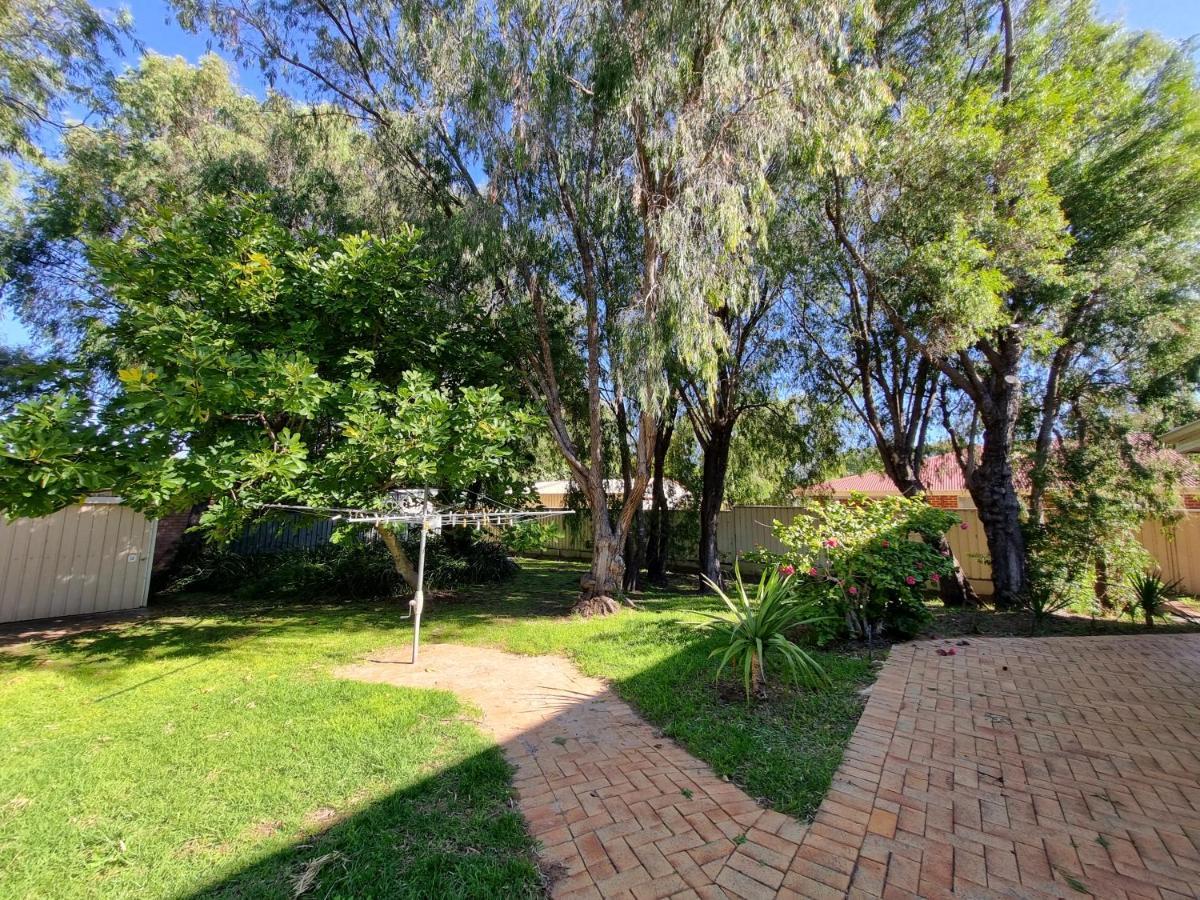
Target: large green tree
{"type": "Point", "coordinates": [176, 131]}
{"type": "Point", "coordinates": [254, 368]}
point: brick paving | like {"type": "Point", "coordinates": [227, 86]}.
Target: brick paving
{"type": "Point", "coordinates": [1016, 768]}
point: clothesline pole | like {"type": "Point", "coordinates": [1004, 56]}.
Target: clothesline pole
{"type": "Point", "coordinates": [419, 596]}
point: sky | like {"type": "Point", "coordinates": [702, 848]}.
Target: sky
{"type": "Point", "coordinates": [155, 26]}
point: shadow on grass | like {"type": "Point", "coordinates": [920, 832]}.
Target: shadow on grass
{"type": "Point", "coordinates": [455, 834]}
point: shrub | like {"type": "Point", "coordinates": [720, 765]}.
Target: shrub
{"type": "Point", "coordinates": [868, 562]}
{"type": "Point", "coordinates": [759, 631]}
{"type": "Point", "coordinates": [1150, 594]}
{"type": "Point", "coordinates": [349, 568]}
{"type": "Point", "coordinates": [529, 537]}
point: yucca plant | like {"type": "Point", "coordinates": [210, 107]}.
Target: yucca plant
{"type": "Point", "coordinates": [1150, 594]}
{"type": "Point", "coordinates": [759, 628]}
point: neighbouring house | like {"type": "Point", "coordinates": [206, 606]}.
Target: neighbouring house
{"type": "Point", "coordinates": [945, 486]}
{"type": "Point", "coordinates": [1185, 438]}
{"type": "Point", "coordinates": [554, 494]}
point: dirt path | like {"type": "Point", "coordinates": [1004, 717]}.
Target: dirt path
{"type": "Point", "coordinates": [619, 810]}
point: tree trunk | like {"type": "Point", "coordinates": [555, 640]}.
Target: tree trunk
{"type": "Point", "coordinates": [758, 683]}
{"type": "Point", "coordinates": [712, 495]}
{"type": "Point", "coordinates": [993, 489]}
{"type": "Point", "coordinates": [635, 542]}
{"type": "Point", "coordinates": [658, 540]}
{"type": "Point", "coordinates": [1101, 587]}
{"type": "Point", "coordinates": [603, 580]}
{"type": "Point", "coordinates": [404, 566]}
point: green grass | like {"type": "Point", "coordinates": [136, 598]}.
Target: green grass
{"type": "Point", "coordinates": [211, 752]}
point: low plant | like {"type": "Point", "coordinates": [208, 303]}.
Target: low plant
{"type": "Point", "coordinates": [1150, 594]}
{"type": "Point", "coordinates": [529, 537]}
{"type": "Point", "coordinates": [759, 631]}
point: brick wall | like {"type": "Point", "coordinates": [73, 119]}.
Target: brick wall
{"type": "Point", "coordinates": [943, 501]}
{"type": "Point", "coordinates": [170, 532]}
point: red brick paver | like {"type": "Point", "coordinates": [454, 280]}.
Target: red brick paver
{"type": "Point", "coordinates": [1016, 768]}
{"type": "Point", "coordinates": [1019, 767]}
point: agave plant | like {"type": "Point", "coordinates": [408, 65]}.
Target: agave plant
{"type": "Point", "coordinates": [1150, 594]}
{"type": "Point", "coordinates": [759, 628]}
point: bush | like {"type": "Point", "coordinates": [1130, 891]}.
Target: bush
{"type": "Point", "coordinates": [461, 556]}
{"type": "Point", "coordinates": [529, 537]}
{"type": "Point", "coordinates": [1150, 595]}
{"type": "Point", "coordinates": [348, 569]}
{"type": "Point", "coordinates": [867, 562]}
{"type": "Point", "coordinates": [759, 631]}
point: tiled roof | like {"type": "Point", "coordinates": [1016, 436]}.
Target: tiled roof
{"type": "Point", "coordinates": [942, 474]}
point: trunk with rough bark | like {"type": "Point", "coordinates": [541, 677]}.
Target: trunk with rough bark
{"type": "Point", "coordinates": [993, 489]}
{"type": "Point", "coordinates": [403, 565]}
{"type": "Point", "coordinates": [659, 534]}
{"type": "Point", "coordinates": [712, 496]}
{"type": "Point", "coordinates": [602, 583]}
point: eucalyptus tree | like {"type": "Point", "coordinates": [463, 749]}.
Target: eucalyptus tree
{"type": "Point", "coordinates": [53, 54]}
{"type": "Point", "coordinates": [576, 146]}
{"type": "Point", "coordinates": [957, 228]}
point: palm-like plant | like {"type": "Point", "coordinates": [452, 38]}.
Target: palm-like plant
{"type": "Point", "coordinates": [1150, 594]}
{"type": "Point", "coordinates": [759, 629]}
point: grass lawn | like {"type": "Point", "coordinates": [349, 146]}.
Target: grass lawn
{"type": "Point", "coordinates": [209, 751]}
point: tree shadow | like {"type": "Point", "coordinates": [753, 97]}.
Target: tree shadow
{"type": "Point", "coordinates": [454, 834]}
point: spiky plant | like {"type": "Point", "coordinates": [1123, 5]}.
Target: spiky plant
{"type": "Point", "coordinates": [759, 628]}
{"type": "Point", "coordinates": [1150, 594]}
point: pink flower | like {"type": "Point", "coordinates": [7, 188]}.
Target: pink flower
{"type": "Point", "coordinates": [962, 525]}
{"type": "Point", "coordinates": [946, 552]}
{"type": "Point", "coordinates": [935, 577]}
{"type": "Point", "coordinates": [920, 565]}
{"type": "Point", "coordinates": [813, 571]}
{"type": "Point", "coordinates": [829, 543]}
{"type": "Point", "coordinates": [910, 580]}
{"type": "Point", "coordinates": [785, 571]}
{"type": "Point", "coordinates": [853, 591]}
{"type": "Point", "coordinates": [884, 543]}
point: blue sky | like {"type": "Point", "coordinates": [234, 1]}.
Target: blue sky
{"type": "Point", "coordinates": [156, 27]}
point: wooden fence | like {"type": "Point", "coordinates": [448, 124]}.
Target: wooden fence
{"type": "Point", "coordinates": [1175, 546]}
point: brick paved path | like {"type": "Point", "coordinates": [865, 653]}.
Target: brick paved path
{"type": "Point", "coordinates": [1017, 768]}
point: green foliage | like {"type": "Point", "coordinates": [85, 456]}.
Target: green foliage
{"type": "Point", "coordinates": [1150, 594]}
{"type": "Point", "coordinates": [869, 561]}
{"type": "Point", "coordinates": [53, 53]}
{"type": "Point", "coordinates": [252, 367]}
{"type": "Point", "coordinates": [528, 537]}
{"type": "Point", "coordinates": [350, 569]}
{"type": "Point", "coordinates": [759, 629]}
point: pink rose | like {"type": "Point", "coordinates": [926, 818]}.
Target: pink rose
{"type": "Point", "coordinates": [832, 542]}
{"type": "Point", "coordinates": [935, 577]}
{"type": "Point", "coordinates": [787, 570]}
{"type": "Point", "coordinates": [946, 552]}
{"type": "Point", "coordinates": [813, 571]}
{"type": "Point", "coordinates": [910, 580]}
{"type": "Point", "coordinates": [853, 591]}
{"type": "Point", "coordinates": [962, 525]}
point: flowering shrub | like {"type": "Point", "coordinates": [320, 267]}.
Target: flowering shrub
{"type": "Point", "coordinates": [868, 561]}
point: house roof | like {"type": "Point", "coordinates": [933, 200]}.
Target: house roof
{"type": "Point", "coordinates": [941, 474]}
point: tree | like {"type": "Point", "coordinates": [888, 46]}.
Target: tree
{"type": "Point", "coordinates": [583, 144]}
{"type": "Point", "coordinates": [177, 132]}
{"type": "Point", "coordinates": [972, 265]}
{"type": "Point", "coordinates": [322, 374]}
{"type": "Point", "coordinates": [52, 55]}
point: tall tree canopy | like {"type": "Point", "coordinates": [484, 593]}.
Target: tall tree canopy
{"type": "Point", "coordinates": [1031, 190]}
{"type": "Point", "coordinates": [600, 152]}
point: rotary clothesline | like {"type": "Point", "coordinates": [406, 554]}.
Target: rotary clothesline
{"type": "Point", "coordinates": [426, 516]}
